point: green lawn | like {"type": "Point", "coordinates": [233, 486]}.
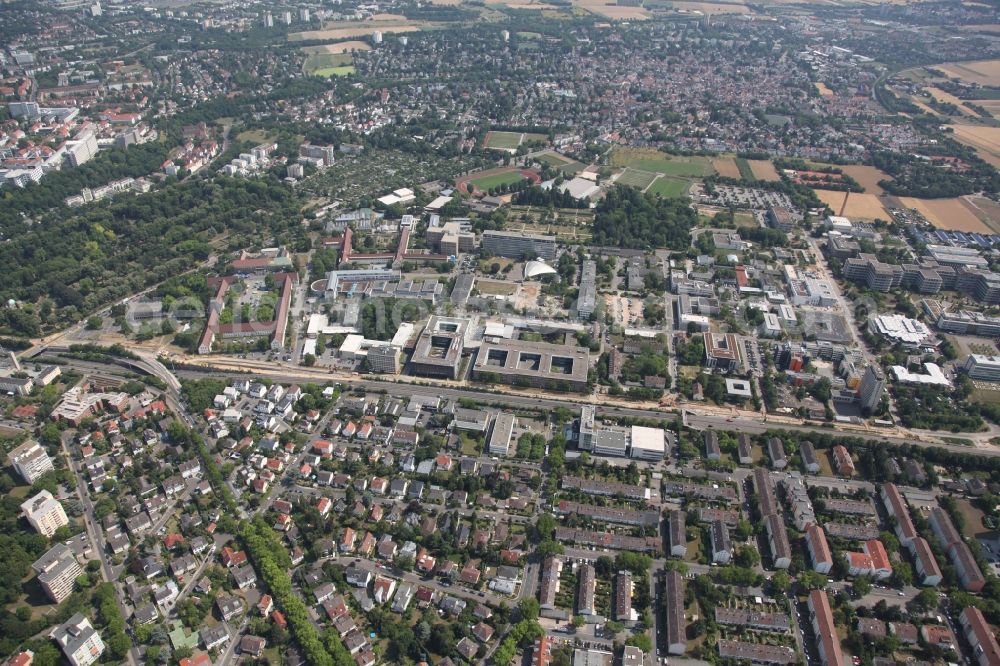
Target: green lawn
{"type": "Point", "coordinates": [689, 167]}
{"type": "Point", "coordinates": [486, 183]}
{"type": "Point", "coordinates": [669, 188]}
{"type": "Point", "coordinates": [327, 72]}
{"type": "Point", "coordinates": [552, 160]}
{"type": "Point", "coordinates": [319, 62]}
{"type": "Point", "coordinates": [504, 140]}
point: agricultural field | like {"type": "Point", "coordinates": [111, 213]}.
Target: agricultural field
{"type": "Point", "coordinates": [726, 166]}
{"type": "Point", "coordinates": [985, 209]}
{"type": "Point", "coordinates": [948, 98]}
{"type": "Point", "coordinates": [669, 188]}
{"type": "Point", "coordinates": [986, 140]}
{"type": "Point", "coordinates": [823, 89]}
{"type": "Point", "coordinates": [950, 214]}
{"type": "Point", "coordinates": [340, 47]}
{"type": "Point", "coordinates": [608, 9]}
{"type": "Point", "coordinates": [636, 178]}
{"type": "Point", "coordinates": [859, 206]}
{"type": "Point", "coordinates": [337, 30]}
{"type": "Point", "coordinates": [325, 64]}
{"type": "Point", "coordinates": [764, 170]}
{"type": "Point", "coordinates": [983, 72]}
{"type": "Point", "coordinates": [711, 7]}
{"type": "Point", "coordinates": [867, 176]}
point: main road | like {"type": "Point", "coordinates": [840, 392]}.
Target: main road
{"type": "Point", "coordinates": [700, 417]}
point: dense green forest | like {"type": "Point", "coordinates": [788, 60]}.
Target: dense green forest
{"type": "Point", "coordinates": [915, 176]}
{"type": "Point", "coordinates": [627, 218]}
{"type": "Point", "coordinates": [107, 252]}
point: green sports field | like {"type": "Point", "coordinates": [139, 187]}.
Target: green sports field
{"type": "Point", "coordinates": [503, 140]}
{"type": "Point", "coordinates": [636, 178]}
{"type": "Point", "coordinates": [489, 182]}
{"type": "Point", "coordinates": [669, 188]}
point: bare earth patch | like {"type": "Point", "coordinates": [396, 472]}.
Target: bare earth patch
{"type": "Point", "coordinates": [868, 177]}
{"type": "Point", "coordinates": [986, 140]}
{"type": "Point", "coordinates": [859, 206]}
{"type": "Point", "coordinates": [726, 167]}
{"type": "Point", "coordinates": [342, 47]}
{"type": "Point", "coordinates": [951, 214]}
{"type": "Point", "coordinates": [764, 170]}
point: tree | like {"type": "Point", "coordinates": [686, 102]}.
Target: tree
{"type": "Point", "coordinates": [812, 580]}
{"type": "Point", "coordinates": [528, 609]}
{"type": "Point", "coordinates": [641, 641]}
{"type": "Point", "coordinates": [926, 599]}
{"type": "Point", "coordinates": [578, 621]}
{"type": "Point", "coordinates": [545, 526]}
{"type": "Point", "coordinates": [94, 323]}
{"type": "Point", "coordinates": [862, 586]}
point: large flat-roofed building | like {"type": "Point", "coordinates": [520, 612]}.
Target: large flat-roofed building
{"type": "Point", "coordinates": [79, 641]}
{"type": "Point", "coordinates": [986, 368]}
{"type": "Point", "coordinates": [503, 430]}
{"type": "Point", "coordinates": [45, 513]}
{"type": "Point", "coordinates": [825, 629]}
{"type": "Point", "coordinates": [899, 329]}
{"type": "Point", "coordinates": [519, 246]}
{"type": "Point", "coordinates": [948, 255]}
{"type": "Point", "coordinates": [586, 301]}
{"type": "Point", "coordinates": [383, 359]}
{"type": "Point", "coordinates": [981, 637]}
{"type": "Point", "coordinates": [722, 350]}
{"type": "Point", "coordinates": [781, 219]}
{"type": "Point", "coordinates": [438, 352]}
{"type": "Point", "coordinates": [648, 443]}
{"type": "Point", "coordinates": [30, 461]}
{"type": "Point", "coordinates": [536, 364]}
{"type": "Point", "coordinates": [968, 322]}
{"type": "Point", "coordinates": [875, 274]}
{"type": "Point", "coordinates": [674, 613]}
{"type": "Point", "coordinates": [611, 441]}
{"type": "Point", "coordinates": [57, 572]}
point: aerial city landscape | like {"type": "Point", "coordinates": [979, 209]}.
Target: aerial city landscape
{"type": "Point", "coordinates": [500, 332]}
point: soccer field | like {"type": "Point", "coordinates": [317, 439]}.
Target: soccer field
{"type": "Point", "coordinates": [669, 188]}
{"type": "Point", "coordinates": [636, 178]}
{"type": "Point", "coordinates": [503, 140]}
{"type": "Point", "coordinates": [488, 182]}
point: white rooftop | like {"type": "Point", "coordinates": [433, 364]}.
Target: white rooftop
{"type": "Point", "coordinates": [649, 439]}
{"type": "Point", "coordinates": [934, 377]}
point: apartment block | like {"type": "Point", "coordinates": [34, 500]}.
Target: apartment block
{"type": "Point", "coordinates": [45, 513]}
{"type": "Point", "coordinates": [57, 572]}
